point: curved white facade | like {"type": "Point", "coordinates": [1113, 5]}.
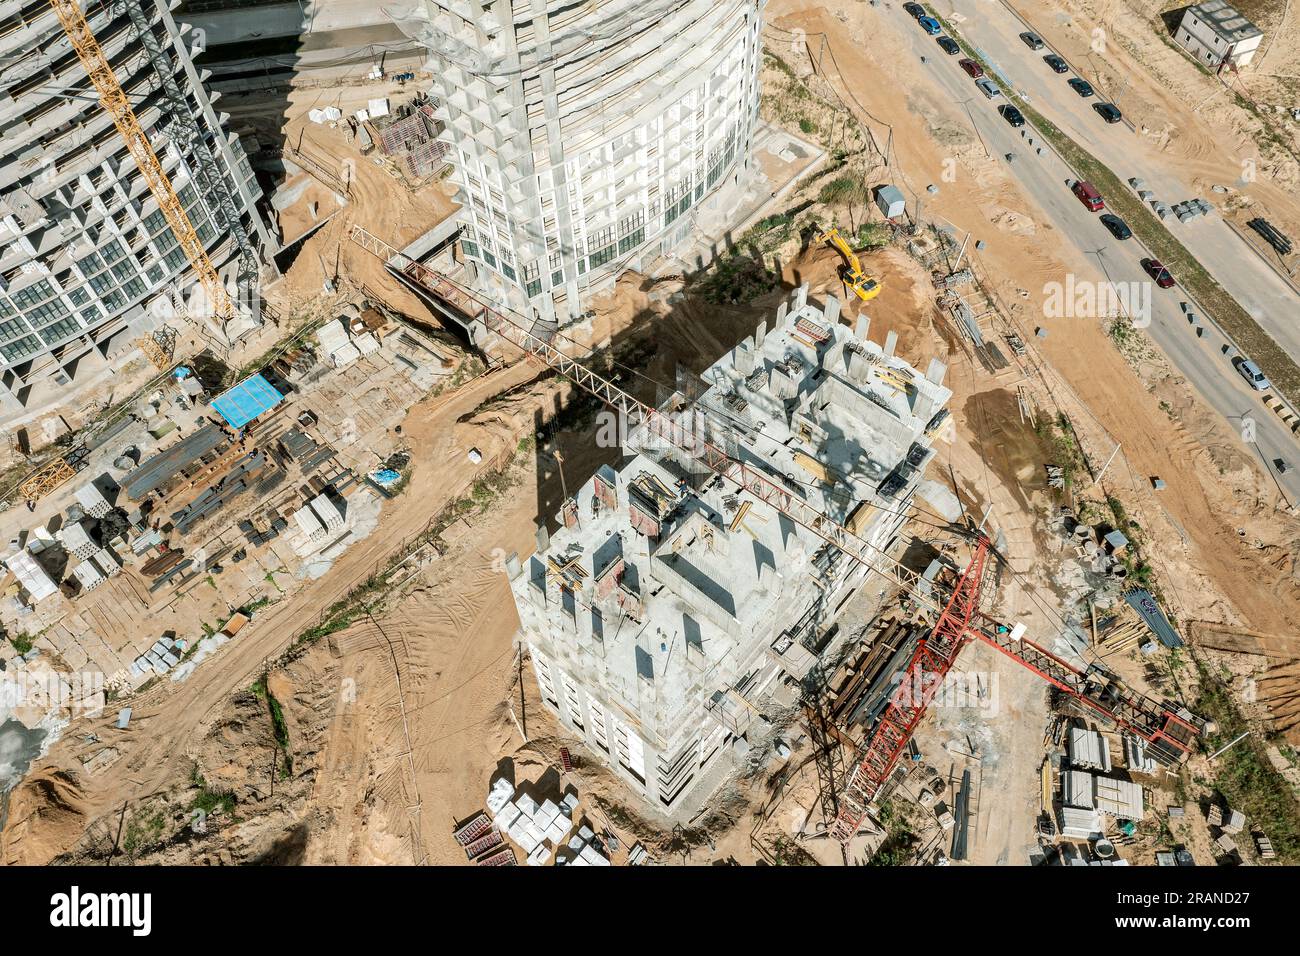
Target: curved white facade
{"type": "Point", "coordinates": [584, 135]}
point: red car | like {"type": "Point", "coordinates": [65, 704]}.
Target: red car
{"type": "Point", "coordinates": [1088, 195]}
{"type": "Point", "coordinates": [1158, 272]}
{"type": "Point", "coordinates": [971, 67]}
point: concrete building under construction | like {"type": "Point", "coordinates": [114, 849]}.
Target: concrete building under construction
{"type": "Point", "coordinates": [585, 137]}
{"type": "Point", "coordinates": [669, 602]}
{"type": "Point", "coordinates": [84, 248]}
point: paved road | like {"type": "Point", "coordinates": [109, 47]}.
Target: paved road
{"type": "Point", "coordinates": [1044, 178]}
{"type": "Point", "coordinates": [995, 32]}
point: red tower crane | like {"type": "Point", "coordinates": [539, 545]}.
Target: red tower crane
{"type": "Point", "coordinates": [1169, 730]}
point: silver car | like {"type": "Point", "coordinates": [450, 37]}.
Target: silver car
{"type": "Point", "coordinates": [1253, 375]}
{"type": "Point", "coordinates": [988, 87]}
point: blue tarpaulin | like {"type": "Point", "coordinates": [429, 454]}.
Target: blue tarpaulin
{"type": "Point", "coordinates": [247, 400]}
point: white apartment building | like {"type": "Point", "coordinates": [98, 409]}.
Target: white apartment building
{"type": "Point", "coordinates": [668, 606]}
{"type": "Point", "coordinates": [584, 136]}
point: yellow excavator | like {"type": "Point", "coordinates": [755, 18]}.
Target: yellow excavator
{"type": "Point", "coordinates": [865, 287]}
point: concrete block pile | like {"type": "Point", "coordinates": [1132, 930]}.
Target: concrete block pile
{"type": "Point", "coordinates": [538, 829]}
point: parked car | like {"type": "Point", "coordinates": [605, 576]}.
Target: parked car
{"type": "Point", "coordinates": [1158, 272]}
{"type": "Point", "coordinates": [971, 67]}
{"type": "Point", "coordinates": [988, 88]}
{"type": "Point", "coordinates": [1108, 111]}
{"type": "Point", "coordinates": [948, 45]}
{"type": "Point", "coordinates": [1253, 375]}
{"type": "Point", "coordinates": [1117, 226]}
{"type": "Point", "coordinates": [1088, 195]}
{"type": "Point", "coordinates": [930, 25]}
{"type": "Point", "coordinates": [1056, 63]}
{"type": "Point", "coordinates": [915, 9]}
{"type": "Point", "coordinates": [1081, 86]}
{"type": "Point", "coordinates": [1013, 116]}
{"type": "Point", "coordinates": [1032, 40]}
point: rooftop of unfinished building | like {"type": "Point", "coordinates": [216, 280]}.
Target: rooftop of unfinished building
{"type": "Point", "coordinates": [655, 581]}
{"type": "Point", "coordinates": [823, 406]}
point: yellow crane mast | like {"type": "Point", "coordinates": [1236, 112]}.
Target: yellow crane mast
{"type": "Point", "coordinates": [114, 100]}
{"type": "Point", "coordinates": [865, 287]}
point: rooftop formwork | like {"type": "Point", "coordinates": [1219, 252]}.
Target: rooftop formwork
{"type": "Point", "coordinates": [668, 603]}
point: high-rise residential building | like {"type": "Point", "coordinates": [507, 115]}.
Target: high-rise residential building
{"type": "Point", "coordinates": [671, 607]}
{"type": "Point", "coordinates": [84, 248]}
{"type": "Point", "coordinates": [585, 136]}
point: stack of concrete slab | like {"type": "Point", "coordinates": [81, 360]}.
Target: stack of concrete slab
{"type": "Point", "coordinates": [88, 576]}
{"type": "Point", "coordinates": [159, 659]}
{"type": "Point", "coordinates": [334, 341]}
{"type": "Point", "coordinates": [31, 575]}
{"type": "Point", "coordinates": [1138, 760]}
{"type": "Point", "coordinates": [77, 542]}
{"type": "Point", "coordinates": [328, 511]}
{"type": "Point", "coordinates": [366, 343]}
{"type": "Point", "coordinates": [1081, 823]}
{"type": "Point", "coordinates": [586, 852]}
{"type": "Point", "coordinates": [1089, 750]}
{"type": "Point", "coordinates": [106, 561]}
{"type": "Point", "coordinates": [92, 501]}
{"type": "Point", "coordinates": [1119, 798]}
{"type": "Point", "coordinates": [309, 523]}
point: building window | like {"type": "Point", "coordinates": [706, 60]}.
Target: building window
{"type": "Point", "coordinates": [631, 241]}
{"type": "Point", "coordinates": [469, 248]}
{"type": "Point", "coordinates": [601, 256]}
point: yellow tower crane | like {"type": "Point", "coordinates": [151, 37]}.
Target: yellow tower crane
{"type": "Point", "coordinates": [114, 100]}
{"type": "Point", "coordinates": [865, 287]}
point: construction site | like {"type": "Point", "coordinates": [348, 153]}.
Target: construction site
{"type": "Point", "coordinates": [599, 435]}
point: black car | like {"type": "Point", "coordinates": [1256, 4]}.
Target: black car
{"type": "Point", "coordinates": [1108, 111]}
{"type": "Point", "coordinates": [1056, 63]}
{"type": "Point", "coordinates": [915, 9]}
{"type": "Point", "coordinates": [1081, 86]}
{"type": "Point", "coordinates": [1012, 115]}
{"type": "Point", "coordinates": [1117, 226]}
{"type": "Point", "coordinates": [948, 45]}
{"type": "Point", "coordinates": [1032, 40]}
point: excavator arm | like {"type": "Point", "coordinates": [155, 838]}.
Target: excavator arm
{"type": "Point", "coordinates": [865, 287]}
